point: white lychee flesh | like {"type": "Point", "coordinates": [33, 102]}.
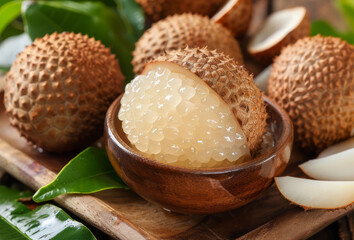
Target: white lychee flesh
{"type": "Point", "coordinates": [174, 117]}
{"type": "Point", "coordinates": [339, 147]}
{"type": "Point", "coordinates": [336, 167]}
{"type": "Point", "coordinates": [309, 193]}
{"type": "Point", "coordinates": [276, 27]}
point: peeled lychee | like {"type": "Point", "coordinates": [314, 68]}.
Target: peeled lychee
{"type": "Point", "coordinates": [194, 107]}
{"type": "Point", "coordinates": [316, 194]}
{"type": "Point", "coordinates": [336, 167]}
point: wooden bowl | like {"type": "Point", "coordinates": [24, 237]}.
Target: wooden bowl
{"type": "Point", "coordinates": [202, 191]}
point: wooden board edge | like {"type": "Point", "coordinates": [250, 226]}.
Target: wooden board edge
{"type": "Point", "coordinates": [34, 175]}
{"type": "Point", "coordinates": [287, 225]}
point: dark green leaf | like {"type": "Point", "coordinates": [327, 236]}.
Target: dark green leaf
{"type": "Point", "coordinates": [8, 231]}
{"type": "Point", "coordinates": [133, 17]}
{"type": "Point", "coordinates": [7, 194]}
{"type": "Point", "coordinates": [45, 222]}
{"type": "Point", "coordinates": [91, 18]}
{"type": "Point", "coordinates": [3, 70]}
{"type": "Point", "coordinates": [13, 29]}
{"type": "Point", "coordinates": [110, 3]}
{"type": "Point", "coordinates": [325, 29]}
{"type": "Point", "coordinates": [88, 172]}
{"type": "Point", "coordinates": [2, 2]}
{"type": "Point", "coordinates": [9, 11]}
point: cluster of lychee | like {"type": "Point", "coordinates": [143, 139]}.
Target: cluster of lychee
{"type": "Point", "coordinates": [60, 87]}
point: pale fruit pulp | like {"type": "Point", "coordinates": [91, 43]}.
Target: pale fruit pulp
{"type": "Point", "coordinates": [181, 121]}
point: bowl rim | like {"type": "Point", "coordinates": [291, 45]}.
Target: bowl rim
{"type": "Point", "coordinates": [287, 134]}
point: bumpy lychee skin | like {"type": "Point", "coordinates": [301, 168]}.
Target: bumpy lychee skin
{"type": "Point", "coordinates": [180, 31]}
{"type": "Point", "coordinates": [159, 9]}
{"type": "Point", "coordinates": [231, 81]}
{"type": "Point", "coordinates": [313, 80]}
{"type": "Point", "coordinates": [59, 88]}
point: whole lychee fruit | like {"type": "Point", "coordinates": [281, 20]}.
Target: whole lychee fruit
{"type": "Point", "coordinates": [313, 80]}
{"type": "Point", "coordinates": [59, 88]}
{"type": "Point", "coordinates": [179, 31]}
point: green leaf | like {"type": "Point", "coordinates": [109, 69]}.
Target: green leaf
{"type": "Point", "coordinates": [2, 2]}
{"type": "Point", "coordinates": [13, 29]}
{"type": "Point", "coordinates": [8, 194]}
{"type": "Point", "coordinates": [45, 222]}
{"type": "Point", "coordinates": [347, 8]}
{"type": "Point", "coordinates": [88, 172]}
{"type": "Point", "coordinates": [133, 17]}
{"type": "Point", "coordinates": [9, 11]}
{"type": "Point", "coordinates": [110, 3]}
{"type": "Point", "coordinates": [3, 70]}
{"type": "Point", "coordinates": [91, 18]}
{"type": "Point", "coordinates": [325, 29]}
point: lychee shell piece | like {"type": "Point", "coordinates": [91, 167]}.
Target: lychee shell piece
{"type": "Point", "coordinates": [180, 31]}
{"type": "Point", "coordinates": [235, 17]}
{"type": "Point", "coordinates": [59, 88]}
{"type": "Point", "coordinates": [313, 80]}
{"type": "Point", "coordinates": [266, 56]}
{"type": "Point", "coordinates": [159, 9]}
{"type": "Point", "coordinates": [231, 81]}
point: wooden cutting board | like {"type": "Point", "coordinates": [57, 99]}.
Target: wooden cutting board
{"type": "Point", "coordinates": [124, 215]}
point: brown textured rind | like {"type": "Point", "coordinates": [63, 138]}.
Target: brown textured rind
{"type": "Point", "coordinates": [180, 31]}
{"type": "Point", "coordinates": [313, 80]}
{"type": "Point", "coordinates": [237, 18]}
{"type": "Point", "coordinates": [159, 9]}
{"type": "Point", "coordinates": [231, 81]}
{"type": "Point", "coordinates": [59, 88]}
{"type": "Point", "coordinates": [302, 30]}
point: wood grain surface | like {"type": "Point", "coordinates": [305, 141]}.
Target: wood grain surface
{"type": "Point", "coordinates": [346, 227]}
{"type": "Point", "coordinates": [294, 224]}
